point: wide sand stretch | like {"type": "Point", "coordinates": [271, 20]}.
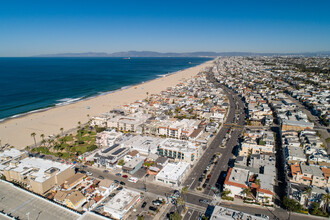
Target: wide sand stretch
{"type": "Point", "coordinates": [17, 131]}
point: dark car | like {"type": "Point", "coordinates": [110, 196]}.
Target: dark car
{"type": "Point", "coordinates": [116, 181]}
{"type": "Point", "coordinates": [200, 179]}
{"type": "Point", "coordinates": [119, 188]}
{"type": "Point", "coordinates": [122, 183]}
{"type": "Point", "coordinates": [204, 201]}
{"type": "Point", "coordinates": [204, 185]}
{"type": "Point", "coordinates": [118, 174]}
{"type": "Point", "coordinates": [105, 171]}
{"type": "Point", "coordinates": [101, 177]}
{"type": "Point", "coordinates": [152, 208]}
{"type": "Point", "coordinates": [147, 175]}
{"type": "Point", "coordinates": [112, 195]}
{"type": "Point", "coordinates": [143, 204]}
{"type": "Point", "coordinates": [207, 181]}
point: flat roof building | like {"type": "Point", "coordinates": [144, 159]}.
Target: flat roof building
{"type": "Point", "coordinates": [173, 173]}
{"type": "Point", "coordinates": [37, 174]}
{"type": "Point", "coordinates": [179, 150]}
{"type": "Point", "coordinates": [144, 144]}
{"type": "Point", "coordinates": [121, 203]}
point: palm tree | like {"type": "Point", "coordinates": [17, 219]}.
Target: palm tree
{"type": "Point", "coordinates": [33, 134]}
{"type": "Point", "coordinates": [247, 191]}
{"type": "Point", "coordinates": [42, 136]}
{"type": "Point", "coordinates": [226, 192]}
{"type": "Point", "coordinates": [62, 129]}
{"type": "Point", "coordinates": [43, 142]}
{"type": "Point", "coordinates": [184, 190]}
{"type": "Point", "coordinates": [326, 200]}
{"type": "Point", "coordinates": [307, 194]}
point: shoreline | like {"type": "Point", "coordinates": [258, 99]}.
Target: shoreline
{"type": "Point", "coordinates": [16, 130]}
{"type": "Point", "coordinates": [83, 98]}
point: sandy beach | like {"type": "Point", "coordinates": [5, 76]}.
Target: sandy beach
{"type": "Point", "coordinates": [17, 131]}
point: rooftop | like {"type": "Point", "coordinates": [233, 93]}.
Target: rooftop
{"type": "Point", "coordinates": [173, 171]}
{"type": "Point", "coordinates": [39, 168]}
{"type": "Point", "coordinates": [122, 200]}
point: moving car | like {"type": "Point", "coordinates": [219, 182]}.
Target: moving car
{"type": "Point", "coordinates": [133, 179]}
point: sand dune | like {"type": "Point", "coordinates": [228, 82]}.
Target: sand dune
{"type": "Point", "coordinates": [17, 131]}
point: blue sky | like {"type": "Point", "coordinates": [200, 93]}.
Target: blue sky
{"type": "Point", "coordinates": [42, 27]}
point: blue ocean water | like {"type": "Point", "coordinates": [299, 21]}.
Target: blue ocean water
{"type": "Point", "coordinates": [29, 84]}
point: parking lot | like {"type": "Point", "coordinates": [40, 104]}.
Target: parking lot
{"type": "Point", "coordinates": [144, 210]}
{"type": "Point", "coordinates": [26, 205]}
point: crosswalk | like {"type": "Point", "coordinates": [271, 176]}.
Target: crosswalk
{"type": "Point", "coordinates": [196, 207]}
{"type": "Point", "coordinates": [200, 194]}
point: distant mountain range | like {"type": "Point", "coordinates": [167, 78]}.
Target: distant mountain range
{"type": "Point", "coordinates": [192, 54]}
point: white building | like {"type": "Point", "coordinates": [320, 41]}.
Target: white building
{"type": "Point", "coordinates": [179, 150]}
{"type": "Point", "coordinates": [173, 173]}
{"type": "Point", "coordinates": [119, 205]}
{"type": "Point", "coordinates": [220, 212]}
{"type": "Point", "coordinates": [108, 138]}
{"type": "Point", "coordinates": [144, 144]}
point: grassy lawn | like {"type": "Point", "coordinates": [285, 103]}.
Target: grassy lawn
{"type": "Point", "coordinates": [71, 145]}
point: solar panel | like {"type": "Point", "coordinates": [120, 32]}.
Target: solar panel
{"type": "Point", "coordinates": [118, 151]}
{"type": "Point", "coordinates": [110, 148]}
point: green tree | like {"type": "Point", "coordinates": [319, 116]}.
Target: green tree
{"type": "Point", "coordinates": [140, 217]}
{"type": "Point", "coordinates": [326, 200]}
{"type": "Point", "coordinates": [33, 134]}
{"type": "Point", "coordinates": [291, 205]}
{"type": "Point", "coordinates": [175, 216]}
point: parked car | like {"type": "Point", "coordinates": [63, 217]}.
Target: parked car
{"type": "Point", "coordinates": [119, 188]}
{"type": "Point", "coordinates": [116, 181]}
{"type": "Point", "coordinates": [125, 176]}
{"type": "Point", "coordinates": [89, 174]}
{"type": "Point", "coordinates": [143, 205]}
{"type": "Point", "coordinates": [204, 201]}
{"type": "Point", "coordinates": [118, 174]}
{"type": "Point", "coordinates": [101, 177]}
{"type": "Point", "coordinates": [200, 179]}
{"type": "Point", "coordinates": [122, 183]}
{"type": "Point", "coordinates": [147, 175]}
{"type": "Point", "coordinates": [152, 208]}
{"type": "Point", "coordinates": [105, 171]}
{"type": "Point", "coordinates": [204, 185]}
{"type": "Point", "coordinates": [157, 202]}
{"type": "Point", "coordinates": [112, 195]}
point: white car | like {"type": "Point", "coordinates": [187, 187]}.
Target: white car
{"type": "Point", "coordinates": [133, 179]}
{"type": "Point", "coordinates": [89, 173]}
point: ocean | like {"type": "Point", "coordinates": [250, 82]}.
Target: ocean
{"type": "Point", "coordinates": [34, 84]}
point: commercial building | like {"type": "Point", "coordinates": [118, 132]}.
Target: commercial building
{"type": "Point", "coordinates": [121, 203]}
{"type": "Point", "coordinates": [144, 144]}
{"type": "Point", "coordinates": [179, 150]}
{"type": "Point", "coordinates": [220, 212]}
{"type": "Point", "coordinates": [134, 165]}
{"type": "Point", "coordinates": [173, 173]}
{"type": "Point", "coordinates": [9, 155]}
{"type": "Point", "coordinates": [38, 175]}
